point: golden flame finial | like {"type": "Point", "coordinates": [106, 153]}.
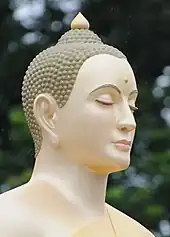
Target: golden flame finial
{"type": "Point", "coordinates": [80, 22]}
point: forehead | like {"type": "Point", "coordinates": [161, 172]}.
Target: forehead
{"type": "Point", "coordinates": [106, 69]}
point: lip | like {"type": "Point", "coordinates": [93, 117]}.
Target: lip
{"type": "Point", "coordinates": [123, 145]}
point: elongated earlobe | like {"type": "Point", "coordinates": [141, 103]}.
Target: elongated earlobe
{"type": "Point", "coordinates": [54, 139]}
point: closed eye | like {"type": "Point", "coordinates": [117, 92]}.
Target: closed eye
{"type": "Point", "coordinates": [104, 102]}
{"type": "Point", "coordinates": [133, 108]}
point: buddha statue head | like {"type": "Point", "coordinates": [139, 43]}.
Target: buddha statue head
{"type": "Point", "coordinates": [79, 97]}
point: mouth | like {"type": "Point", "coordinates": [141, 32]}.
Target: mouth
{"type": "Point", "coordinates": [123, 145]}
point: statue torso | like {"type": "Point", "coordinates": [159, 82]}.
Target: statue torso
{"type": "Point", "coordinates": [33, 212]}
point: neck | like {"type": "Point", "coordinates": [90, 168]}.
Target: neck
{"type": "Point", "coordinates": [80, 185]}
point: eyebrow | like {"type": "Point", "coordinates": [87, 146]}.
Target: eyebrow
{"type": "Point", "coordinates": [106, 86]}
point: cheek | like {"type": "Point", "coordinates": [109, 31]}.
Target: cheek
{"type": "Point", "coordinates": [99, 119]}
{"type": "Point", "coordinates": [89, 124]}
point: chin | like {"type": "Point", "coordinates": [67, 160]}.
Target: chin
{"type": "Point", "coordinates": [124, 165]}
{"type": "Point", "coordinates": [109, 161]}
{"type": "Point", "coordinates": [118, 160]}
{"type": "Point", "coordinates": [108, 165]}
{"type": "Point", "coordinates": [119, 165]}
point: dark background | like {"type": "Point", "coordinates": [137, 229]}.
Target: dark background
{"type": "Point", "coordinates": [139, 28]}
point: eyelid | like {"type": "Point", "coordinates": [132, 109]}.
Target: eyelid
{"type": "Point", "coordinates": [106, 98]}
{"type": "Point", "coordinates": [105, 91]}
{"type": "Point", "coordinates": [104, 102]}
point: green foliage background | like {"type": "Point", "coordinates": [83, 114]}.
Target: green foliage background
{"type": "Point", "coordinates": [138, 28]}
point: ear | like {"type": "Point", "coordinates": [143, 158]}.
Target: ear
{"type": "Point", "coordinates": [45, 111]}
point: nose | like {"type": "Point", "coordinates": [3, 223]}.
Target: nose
{"type": "Point", "coordinates": [127, 122]}
{"type": "Point", "coordinates": [126, 127]}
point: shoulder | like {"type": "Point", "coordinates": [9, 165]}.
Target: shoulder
{"type": "Point", "coordinates": [130, 226]}
{"type": "Point", "coordinates": [14, 218]}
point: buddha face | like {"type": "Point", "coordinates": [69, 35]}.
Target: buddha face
{"type": "Point", "coordinates": [96, 127]}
